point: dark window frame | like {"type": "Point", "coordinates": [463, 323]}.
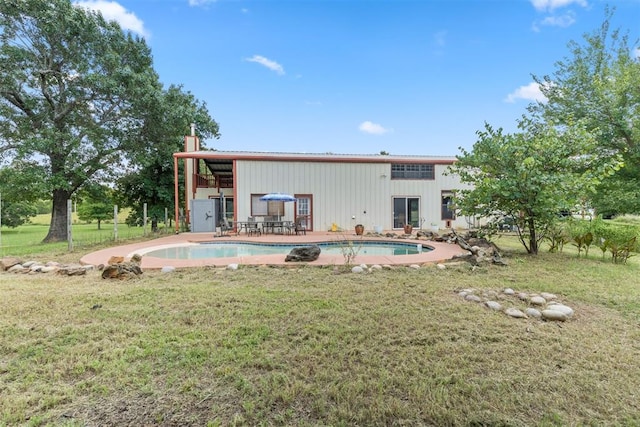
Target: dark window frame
{"type": "Point", "coordinates": [425, 171]}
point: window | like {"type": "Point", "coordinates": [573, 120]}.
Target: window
{"type": "Point", "coordinates": [264, 208]}
{"type": "Point", "coordinates": [412, 171]}
{"type": "Point", "coordinates": [448, 210]}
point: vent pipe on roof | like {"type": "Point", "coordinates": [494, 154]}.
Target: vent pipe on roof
{"type": "Point", "coordinates": [193, 129]}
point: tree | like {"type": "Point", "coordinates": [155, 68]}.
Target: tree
{"type": "Point", "coordinates": [530, 176]}
{"type": "Point", "coordinates": [96, 204]}
{"type": "Point", "coordinates": [152, 182]}
{"type": "Point", "coordinates": [73, 93]}
{"type": "Point", "coordinates": [21, 189]}
{"type": "Point", "coordinates": [599, 85]}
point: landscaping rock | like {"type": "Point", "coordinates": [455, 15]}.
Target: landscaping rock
{"type": "Point", "coordinates": [473, 298]}
{"type": "Point", "coordinates": [568, 311]}
{"type": "Point", "coordinates": [514, 312]}
{"type": "Point", "coordinates": [548, 296]}
{"type": "Point", "coordinates": [494, 305]}
{"type": "Point", "coordinates": [303, 254]}
{"type": "Point", "coordinates": [357, 269]}
{"type": "Point", "coordinates": [509, 291]}
{"type": "Point", "coordinates": [168, 269]}
{"type": "Point", "coordinates": [232, 267]}
{"type": "Point", "coordinates": [537, 300]}
{"type": "Point", "coordinates": [554, 315]}
{"type": "Point", "coordinates": [441, 266]}
{"type": "Point", "coordinates": [532, 312]}
{"type": "Point", "coordinates": [17, 268]}
{"type": "Point", "coordinates": [8, 262]}
{"type": "Point", "coordinates": [415, 266]}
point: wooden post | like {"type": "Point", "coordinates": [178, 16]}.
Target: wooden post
{"type": "Point", "coordinates": [115, 222]}
{"type": "Point", "coordinates": [69, 222]}
{"type": "Point", "coordinates": [144, 219]}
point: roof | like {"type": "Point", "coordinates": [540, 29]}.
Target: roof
{"type": "Point", "coordinates": [315, 157]}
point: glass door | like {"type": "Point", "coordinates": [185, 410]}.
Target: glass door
{"type": "Point", "coordinates": [406, 210]}
{"type": "Point", "coordinates": [303, 209]}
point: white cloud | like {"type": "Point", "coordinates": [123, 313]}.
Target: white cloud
{"type": "Point", "coordinates": [636, 53]}
{"type": "Point", "coordinates": [200, 2]}
{"type": "Point", "coordinates": [373, 128]}
{"type": "Point", "coordinates": [549, 5]}
{"type": "Point", "coordinates": [112, 11]}
{"type": "Point", "coordinates": [272, 65]}
{"type": "Point", "coordinates": [530, 92]}
{"type": "Point", "coordinates": [563, 21]}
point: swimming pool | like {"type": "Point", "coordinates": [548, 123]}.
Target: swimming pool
{"type": "Point", "coordinates": [244, 249]}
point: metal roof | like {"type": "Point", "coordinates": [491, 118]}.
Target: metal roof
{"type": "Point", "coordinates": [317, 157]}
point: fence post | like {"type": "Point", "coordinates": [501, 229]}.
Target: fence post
{"type": "Point", "coordinates": [144, 219]}
{"type": "Point", "coordinates": [115, 222]}
{"type": "Point", "coordinates": [69, 222]}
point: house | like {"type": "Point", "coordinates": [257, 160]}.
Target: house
{"type": "Point", "coordinates": [333, 191]}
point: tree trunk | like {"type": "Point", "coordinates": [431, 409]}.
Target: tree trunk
{"type": "Point", "coordinates": [98, 224]}
{"type": "Point", "coordinates": [533, 241]}
{"type": "Point", "coordinates": [58, 225]}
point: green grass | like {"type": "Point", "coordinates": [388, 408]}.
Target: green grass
{"type": "Point", "coordinates": [307, 346]}
{"type": "Point", "coordinates": [27, 239]}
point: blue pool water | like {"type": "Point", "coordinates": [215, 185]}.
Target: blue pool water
{"type": "Point", "coordinates": [233, 249]}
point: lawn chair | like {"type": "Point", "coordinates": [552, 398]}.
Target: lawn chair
{"type": "Point", "coordinates": [299, 226]}
{"type": "Point", "coordinates": [252, 227]}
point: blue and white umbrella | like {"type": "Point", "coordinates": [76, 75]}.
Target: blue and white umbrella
{"type": "Point", "coordinates": [278, 197]}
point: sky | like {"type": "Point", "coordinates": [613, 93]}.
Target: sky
{"type": "Point", "coordinates": [409, 77]}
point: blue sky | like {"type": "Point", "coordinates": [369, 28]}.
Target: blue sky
{"type": "Point", "coordinates": [356, 76]}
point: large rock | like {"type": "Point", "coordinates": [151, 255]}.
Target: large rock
{"type": "Point", "coordinates": [8, 262]}
{"type": "Point", "coordinates": [303, 254]}
{"type": "Point", "coordinates": [124, 270]}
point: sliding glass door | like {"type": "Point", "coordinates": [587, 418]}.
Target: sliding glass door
{"type": "Point", "coordinates": [406, 210]}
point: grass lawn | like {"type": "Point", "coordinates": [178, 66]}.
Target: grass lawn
{"type": "Point", "coordinates": [307, 346]}
{"type": "Point", "coordinates": [27, 239]}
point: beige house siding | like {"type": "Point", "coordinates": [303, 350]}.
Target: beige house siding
{"type": "Point", "coordinates": [343, 193]}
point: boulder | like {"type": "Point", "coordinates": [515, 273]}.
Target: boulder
{"type": "Point", "coordinates": [303, 254]}
{"type": "Point", "coordinates": [8, 262]}
{"type": "Point", "coordinates": [115, 260]}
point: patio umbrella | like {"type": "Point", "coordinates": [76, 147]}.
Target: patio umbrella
{"type": "Point", "coordinates": [278, 197]}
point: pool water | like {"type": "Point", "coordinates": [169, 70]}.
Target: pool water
{"type": "Point", "coordinates": [233, 249]}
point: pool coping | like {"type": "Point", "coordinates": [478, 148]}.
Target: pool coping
{"type": "Point", "coordinates": [441, 251]}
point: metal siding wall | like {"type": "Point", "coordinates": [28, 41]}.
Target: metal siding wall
{"type": "Point", "coordinates": [342, 190]}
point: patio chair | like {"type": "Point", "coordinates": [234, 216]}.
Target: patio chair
{"type": "Point", "coordinates": [299, 226]}
{"type": "Point", "coordinates": [253, 229]}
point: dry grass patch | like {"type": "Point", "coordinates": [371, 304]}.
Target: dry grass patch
{"type": "Point", "coordinates": [264, 346]}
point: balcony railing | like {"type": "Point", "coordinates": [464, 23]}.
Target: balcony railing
{"type": "Point", "coordinates": [213, 181]}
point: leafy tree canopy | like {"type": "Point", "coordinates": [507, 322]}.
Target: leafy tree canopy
{"type": "Point", "coordinates": [21, 188]}
{"type": "Point", "coordinates": [531, 175]}
{"type": "Point", "coordinates": [96, 204]}
{"type": "Point", "coordinates": [75, 96]}
{"type": "Point", "coordinates": [153, 181]}
{"type": "Point", "coordinates": [599, 85]}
